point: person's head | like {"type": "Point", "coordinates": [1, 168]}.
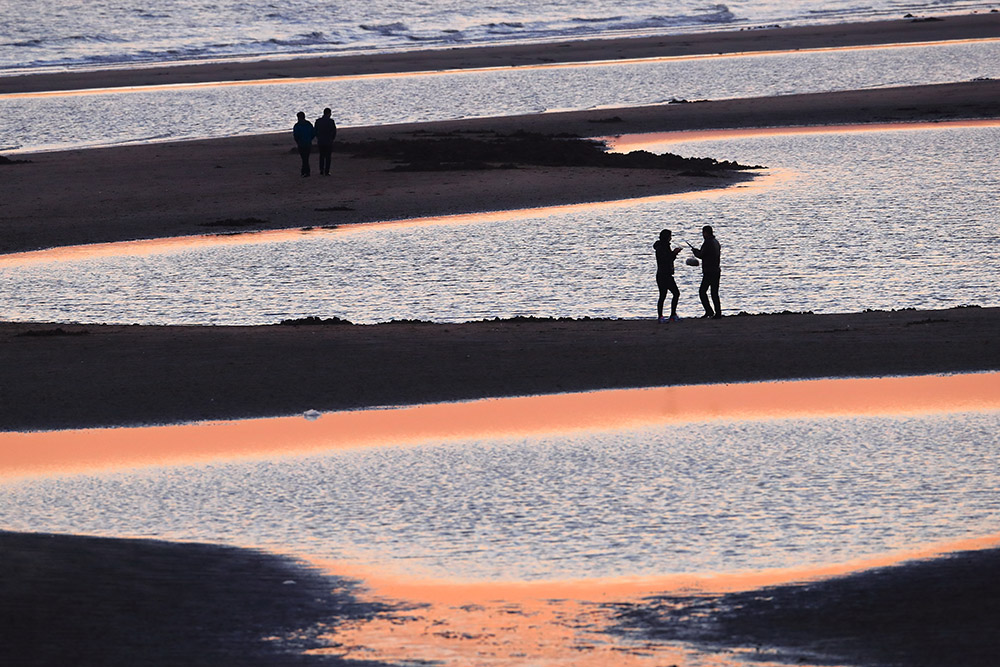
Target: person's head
{"type": "Point", "coordinates": [665, 235]}
{"type": "Point", "coordinates": [327, 112]}
{"type": "Point", "coordinates": [301, 115]}
{"type": "Point", "coordinates": [707, 232]}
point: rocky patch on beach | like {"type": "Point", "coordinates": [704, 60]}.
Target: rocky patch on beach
{"type": "Point", "coordinates": [493, 150]}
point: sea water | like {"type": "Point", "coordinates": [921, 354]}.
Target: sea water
{"type": "Point", "coordinates": [100, 33]}
{"type": "Point", "coordinates": [146, 115]}
{"type": "Point", "coordinates": [715, 496]}
{"type": "Point", "coordinates": [840, 221]}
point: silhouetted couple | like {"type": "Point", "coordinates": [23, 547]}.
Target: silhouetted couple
{"type": "Point", "coordinates": [710, 255]}
{"type": "Point", "coordinates": [324, 131]}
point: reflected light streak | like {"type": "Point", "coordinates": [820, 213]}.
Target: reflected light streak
{"type": "Point", "coordinates": [49, 452]}
{"type": "Point", "coordinates": [475, 70]}
{"type": "Point", "coordinates": [631, 142]}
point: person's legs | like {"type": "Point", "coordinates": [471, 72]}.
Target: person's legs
{"type": "Point", "coordinates": [715, 295]}
{"type": "Point", "coordinates": [662, 286]}
{"type": "Point", "coordinates": [703, 295]}
{"type": "Point", "coordinates": [304, 151]}
{"type": "Point", "coordinates": [676, 297]}
{"type": "Point", "coordinates": [325, 158]}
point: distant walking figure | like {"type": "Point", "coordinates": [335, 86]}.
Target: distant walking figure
{"type": "Point", "coordinates": [665, 257]}
{"type": "Point", "coordinates": [304, 133]}
{"type": "Point", "coordinates": [326, 132]}
{"type": "Point", "coordinates": [710, 255]}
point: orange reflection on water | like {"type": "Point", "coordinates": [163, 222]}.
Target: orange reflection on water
{"type": "Point", "coordinates": [553, 623]}
{"type": "Point", "coordinates": [631, 142]}
{"type": "Point", "coordinates": [94, 449]}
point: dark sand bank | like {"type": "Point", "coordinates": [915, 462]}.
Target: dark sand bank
{"type": "Point", "coordinates": [69, 600]}
{"type": "Point", "coordinates": [931, 613]}
{"type": "Point", "coordinates": [74, 376]}
{"type": "Point", "coordinates": [901, 30]}
{"type": "Point", "coordinates": [185, 188]}
{"type": "Point", "coordinates": [73, 600]}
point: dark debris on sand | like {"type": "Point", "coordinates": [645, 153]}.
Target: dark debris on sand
{"type": "Point", "coordinates": [929, 613]}
{"type": "Point", "coordinates": [492, 150]}
{"type": "Point", "coordinates": [82, 601]}
{"type": "Point", "coordinates": [313, 320]}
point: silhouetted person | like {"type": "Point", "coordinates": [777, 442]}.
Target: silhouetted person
{"type": "Point", "coordinates": [665, 257]}
{"type": "Point", "coordinates": [710, 255]}
{"type": "Point", "coordinates": [326, 132]}
{"type": "Point", "coordinates": [304, 133]}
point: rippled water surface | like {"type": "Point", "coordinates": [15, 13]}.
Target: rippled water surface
{"type": "Point", "coordinates": [187, 113]}
{"type": "Point", "coordinates": [95, 33]}
{"type": "Point", "coordinates": [710, 496]}
{"type": "Point", "coordinates": [841, 222]}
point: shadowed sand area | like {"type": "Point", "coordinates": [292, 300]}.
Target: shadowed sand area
{"type": "Point", "coordinates": [76, 600]}
{"type": "Point", "coordinates": [75, 376]}
{"type": "Point", "coordinates": [72, 600]}
{"type": "Point", "coordinates": [921, 614]}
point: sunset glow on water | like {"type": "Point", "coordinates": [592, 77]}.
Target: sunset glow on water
{"type": "Point", "coordinates": [510, 523]}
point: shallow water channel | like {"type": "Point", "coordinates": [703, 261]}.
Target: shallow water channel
{"type": "Point", "coordinates": [706, 496]}
{"type": "Point", "coordinates": [149, 114]}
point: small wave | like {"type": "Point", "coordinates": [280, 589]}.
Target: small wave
{"type": "Point", "coordinates": [609, 19]}
{"type": "Point", "coordinates": [841, 11]}
{"type": "Point", "coordinates": [91, 39]}
{"type": "Point", "coordinates": [306, 39]}
{"type": "Point", "coordinates": [145, 14]}
{"type": "Point", "coordinates": [386, 29]}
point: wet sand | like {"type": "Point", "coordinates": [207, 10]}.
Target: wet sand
{"type": "Point", "coordinates": [929, 613]}
{"type": "Point", "coordinates": [73, 600]}
{"type": "Point", "coordinates": [72, 376]}
{"type": "Point", "coordinates": [253, 183]}
{"type": "Point", "coordinates": [70, 599]}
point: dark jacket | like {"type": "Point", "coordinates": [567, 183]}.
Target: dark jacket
{"type": "Point", "coordinates": [326, 130]}
{"type": "Point", "coordinates": [665, 258]}
{"type": "Point", "coordinates": [303, 132]}
{"type": "Point", "coordinates": [710, 255]}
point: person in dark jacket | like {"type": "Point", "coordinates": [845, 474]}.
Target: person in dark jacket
{"type": "Point", "coordinates": [303, 132]}
{"type": "Point", "coordinates": [665, 256]}
{"type": "Point", "coordinates": [710, 255]}
{"type": "Point", "coordinates": [326, 132]}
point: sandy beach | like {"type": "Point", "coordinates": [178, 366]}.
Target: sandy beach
{"type": "Point", "coordinates": [67, 376]}
{"type": "Point", "coordinates": [195, 187]}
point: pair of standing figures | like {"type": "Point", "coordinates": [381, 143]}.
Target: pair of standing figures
{"type": "Point", "coordinates": [324, 131]}
{"type": "Point", "coordinates": [710, 254]}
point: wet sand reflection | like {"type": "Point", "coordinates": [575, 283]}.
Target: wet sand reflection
{"type": "Point", "coordinates": [553, 623]}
